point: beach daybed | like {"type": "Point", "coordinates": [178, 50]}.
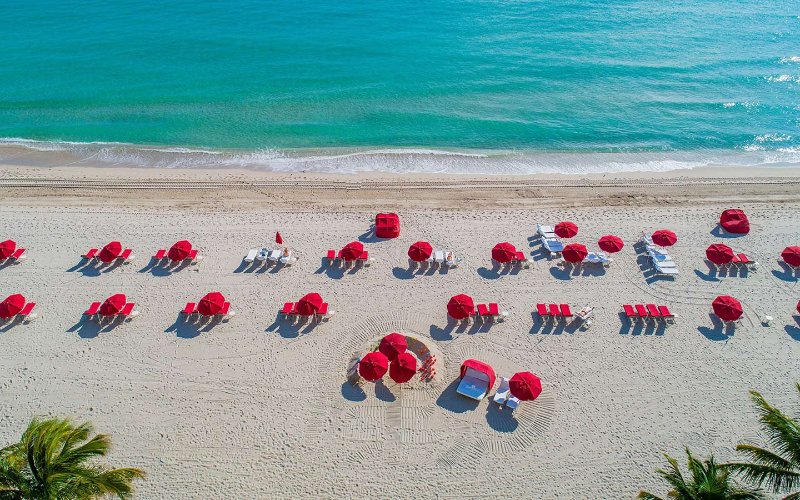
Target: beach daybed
{"type": "Point", "coordinates": [477, 379]}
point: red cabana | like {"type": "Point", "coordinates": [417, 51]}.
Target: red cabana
{"type": "Point", "coordinates": [504, 252]}
{"type": "Point", "coordinates": [179, 251]}
{"type": "Point", "coordinates": [392, 345]}
{"type": "Point", "coordinates": [7, 249]}
{"type": "Point", "coordinates": [11, 306]}
{"type": "Point", "coordinates": [525, 386]}
{"type": "Point", "coordinates": [110, 252]}
{"type": "Point", "coordinates": [309, 304]}
{"type": "Point", "coordinates": [403, 367]}
{"type": "Point", "coordinates": [719, 254]}
{"type": "Point", "coordinates": [352, 251]}
{"type": "Point", "coordinates": [278, 238]}
{"type": "Point", "coordinates": [373, 366]}
{"type": "Point", "coordinates": [574, 252]}
{"type": "Point", "coordinates": [113, 305]}
{"type": "Point", "coordinates": [461, 306]}
{"type": "Point", "coordinates": [664, 238]}
{"type": "Point", "coordinates": [387, 225]}
{"type": "Point", "coordinates": [734, 221]}
{"type": "Point", "coordinates": [478, 366]}
{"type": "Point", "coordinates": [791, 255]}
{"type": "Point", "coordinates": [727, 308]}
{"type": "Point", "coordinates": [566, 229]}
{"type": "Point", "coordinates": [420, 251]}
{"type": "Point", "coordinates": [610, 243]}
{"type": "Point", "coordinates": [211, 304]}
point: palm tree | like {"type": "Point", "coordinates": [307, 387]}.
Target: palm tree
{"type": "Point", "coordinates": [709, 481]}
{"type": "Point", "coordinates": [54, 460]}
{"type": "Point", "coordinates": [778, 469]}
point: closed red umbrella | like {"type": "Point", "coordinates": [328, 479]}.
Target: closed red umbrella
{"type": "Point", "coordinates": [575, 252]}
{"type": "Point", "coordinates": [727, 308]}
{"type": "Point", "coordinates": [664, 238]}
{"type": "Point", "coordinates": [211, 304]}
{"type": "Point", "coordinates": [504, 252]}
{"type": "Point", "coordinates": [393, 344]}
{"type": "Point", "coordinates": [309, 304]}
{"type": "Point", "coordinates": [179, 251]}
{"type": "Point", "coordinates": [734, 221]}
{"type": "Point", "coordinates": [403, 367]}
{"type": "Point", "coordinates": [11, 306]}
{"type": "Point", "coordinates": [278, 238]}
{"type": "Point", "coordinates": [719, 253]}
{"type": "Point", "coordinates": [110, 251]}
{"type": "Point", "coordinates": [352, 250]}
{"type": "Point", "coordinates": [610, 243]}
{"type": "Point", "coordinates": [791, 255]}
{"type": "Point", "coordinates": [373, 366]}
{"type": "Point", "coordinates": [525, 386]}
{"type": "Point", "coordinates": [7, 248]}
{"type": "Point", "coordinates": [113, 305]}
{"type": "Point", "coordinates": [420, 251]}
{"type": "Point", "coordinates": [460, 306]}
{"type": "Point", "coordinates": [566, 229]}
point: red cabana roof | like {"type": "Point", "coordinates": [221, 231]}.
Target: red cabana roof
{"type": "Point", "coordinates": [460, 306]}
{"type": "Point", "coordinates": [7, 248]}
{"type": "Point", "coordinates": [478, 366]}
{"type": "Point", "coordinates": [566, 229]}
{"type": "Point", "coordinates": [727, 308]}
{"type": "Point", "coordinates": [211, 304]}
{"type": "Point", "coordinates": [420, 251]}
{"type": "Point", "coordinates": [393, 344]}
{"type": "Point", "coordinates": [610, 243]}
{"type": "Point", "coordinates": [11, 306]}
{"type": "Point", "coordinates": [734, 221]}
{"type": "Point", "coordinates": [373, 366]}
{"type": "Point", "coordinates": [791, 255]}
{"type": "Point", "coordinates": [504, 252]}
{"type": "Point", "coordinates": [179, 251]}
{"type": "Point", "coordinates": [525, 386]}
{"type": "Point", "coordinates": [574, 252]}
{"type": "Point", "coordinates": [113, 305]}
{"type": "Point", "coordinates": [309, 304]}
{"type": "Point", "coordinates": [110, 252]}
{"type": "Point", "coordinates": [403, 367]}
{"type": "Point", "coordinates": [352, 250]}
{"type": "Point", "coordinates": [719, 253]}
{"type": "Point", "coordinates": [387, 225]}
{"type": "Point", "coordinates": [664, 238]}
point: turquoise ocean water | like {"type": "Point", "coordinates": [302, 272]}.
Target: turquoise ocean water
{"type": "Point", "coordinates": [443, 85]}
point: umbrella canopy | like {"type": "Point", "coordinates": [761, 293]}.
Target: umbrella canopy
{"type": "Point", "coordinates": [610, 243]}
{"type": "Point", "coordinates": [392, 345]}
{"type": "Point", "coordinates": [110, 251]}
{"type": "Point", "coordinates": [727, 308]}
{"type": "Point", "coordinates": [309, 304]}
{"type": "Point", "coordinates": [566, 229]}
{"type": "Point", "coordinates": [460, 306]}
{"type": "Point", "coordinates": [7, 248]}
{"type": "Point", "coordinates": [664, 238]}
{"type": "Point", "coordinates": [525, 386]}
{"type": "Point", "coordinates": [211, 304]}
{"type": "Point", "coordinates": [179, 251]}
{"type": "Point", "coordinates": [719, 253]}
{"type": "Point", "coordinates": [420, 251]}
{"type": "Point", "coordinates": [798, 307]}
{"type": "Point", "coordinates": [478, 366]}
{"type": "Point", "coordinates": [11, 306]}
{"type": "Point", "coordinates": [403, 367]}
{"type": "Point", "coordinates": [352, 250]}
{"type": "Point", "coordinates": [278, 238]}
{"type": "Point", "coordinates": [373, 366]}
{"type": "Point", "coordinates": [575, 252]}
{"type": "Point", "coordinates": [791, 255]}
{"type": "Point", "coordinates": [734, 221]}
{"type": "Point", "coordinates": [113, 305]}
{"type": "Point", "coordinates": [504, 252]}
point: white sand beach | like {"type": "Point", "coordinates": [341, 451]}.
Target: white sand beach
{"type": "Point", "coordinates": [256, 408]}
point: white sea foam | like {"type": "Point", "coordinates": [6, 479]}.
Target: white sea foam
{"type": "Point", "coordinates": [784, 78]}
{"type": "Point", "coordinates": [790, 59]}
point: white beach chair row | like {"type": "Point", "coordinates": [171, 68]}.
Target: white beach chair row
{"type": "Point", "coordinates": [550, 240]}
{"type": "Point", "coordinates": [441, 258]}
{"type": "Point", "coordinates": [274, 255]}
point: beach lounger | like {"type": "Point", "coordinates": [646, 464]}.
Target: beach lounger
{"type": "Point", "coordinates": [93, 308]}
{"type": "Point", "coordinates": [512, 402]}
{"type": "Point", "coordinates": [189, 309]}
{"type": "Point", "coordinates": [251, 255]}
{"type": "Point", "coordinates": [483, 311]}
{"type": "Point", "coordinates": [546, 232]}
{"type": "Point", "coordinates": [438, 256]}
{"type": "Point", "coordinates": [474, 384]}
{"type": "Point", "coordinates": [641, 311]}
{"type": "Point", "coordinates": [91, 254]}
{"type": "Point", "coordinates": [364, 259]}
{"type": "Point", "coordinates": [495, 313]}
{"type": "Point", "coordinates": [542, 311]}
{"type": "Point", "coordinates": [325, 312]}
{"type": "Point", "coordinates": [646, 239]}
{"type": "Point", "coordinates": [554, 311]}
{"type": "Point", "coordinates": [27, 312]}
{"type": "Point", "coordinates": [566, 312]}
{"type": "Point", "coordinates": [666, 314]}
{"type": "Point", "coordinates": [274, 255]}
{"type": "Point", "coordinates": [226, 310]}
{"type": "Point", "coordinates": [745, 261]}
{"type": "Point", "coordinates": [520, 258]}
{"type": "Point", "coordinates": [126, 256]}
{"type": "Point", "coordinates": [194, 256]}
{"type": "Point", "coordinates": [262, 254]}
{"type": "Point", "coordinates": [629, 312]}
{"type": "Point", "coordinates": [652, 312]}
{"type": "Point", "coordinates": [502, 393]}
{"type": "Point", "coordinates": [553, 246]}
{"type": "Point", "coordinates": [18, 255]}
{"type": "Point", "coordinates": [128, 312]}
{"type": "Point", "coordinates": [160, 254]}
{"type": "Point", "coordinates": [667, 270]}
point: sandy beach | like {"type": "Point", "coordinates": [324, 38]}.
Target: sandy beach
{"type": "Point", "coordinates": [257, 408]}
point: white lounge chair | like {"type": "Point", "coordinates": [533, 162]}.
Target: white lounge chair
{"type": "Point", "coordinates": [262, 254]}
{"type": "Point", "coordinates": [251, 255]}
{"type": "Point", "coordinates": [553, 246]}
{"type": "Point", "coordinates": [274, 255]}
{"type": "Point", "coordinates": [546, 232]}
{"type": "Point", "coordinates": [438, 256]}
{"type": "Point", "coordinates": [512, 402]}
{"type": "Point", "coordinates": [454, 262]}
{"type": "Point", "coordinates": [502, 393]}
{"type": "Point", "coordinates": [666, 270]}
{"type": "Point", "coordinates": [474, 384]}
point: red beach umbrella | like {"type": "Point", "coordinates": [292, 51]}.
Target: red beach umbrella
{"type": "Point", "coordinates": [113, 305]}
{"type": "Point", "coordinates": [11, 306]}
{"type": "Point", "coordinates": [575, 252]}
{"type": "Point", "coordinates": [734, 221]}
{"type": "Point", "coordinates": [719, 253]}
{"type": "Point", "coordinates": [664, 238]}
{"type": "Point", "coordinates": [525, 386]}
{"type": "Point", "coordinates": [373, 366]}
{"type": "Point", "coordinates": [610, 243]}
{"type": "Point", "coordinates": [179, 251]}
{"type": "Point", "coordinates": [403, 367]}
{"type": "Point", "coordinates": [727, 308]}
{"type": "Point", "coordinates": [798, 307]}
{"type": "Point", "coordinates": [460, 306]}
{"type": "Point", "coordinates": [309, 304]}
{"type": "Point", "coordinates": [353, 250]}
{"type": "Point", "coordinates": [420, 251]}
{"type": "Point", "coordinates": [504, 252]}
{"type": "Point", "coordinates": [110, 252]}
{"type": "Point", "coordinates": [566, 229]}
{"type": "Point", "coordinates": [791, 255]}
{"type": "Point", "coordinates": [278, 238]}
{"type": "Point", "coordinates": [7, 248]}
{"type": "Point", "coordinates": [393, 344]}
{"type": "Point", "coordinates": [211, 304]}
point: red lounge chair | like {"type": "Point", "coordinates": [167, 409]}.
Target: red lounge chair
{"type": "Point", "coordinates": [483, 310]}
{"type": "Point", "coordinates": [629, 312]}
{"type": "Point", "coordinates": [288, 308]}
{"type": "Point", "coordinates": [364, 256]}
{"type": "Point", "coordinates": [125, 255]}
{"type": "Point", "coordinates": [27, 309]}
{"type": "Point", "coordinates": [554, 312]}
{"type": "Point", "coordinates": [190, 308]}
{"type": "Point", "coordinates": [668, 316]}
{"type": "Point", "coordinates": [494, 310]}
{"type": "Point", "coordinates": [193, 254]}
{"type": "Point", "coordinates": [226, 307]}
{"type": "Point", "coordinates": [127, 310]}
{"type": "Point", "coordinates": [323, 310]}
{"type": "Point", "coordinates": [331, 255]}
{"type": "Point", "coordinates": [18, 254]}
{"type": "Point", "coordinates": [735, 260]}
{"type": "Point", "coordinates": [160, 254]}
{"type": "Point", "coordinates": [652, 311]}
{"type": "Point", "coordinates": [541, 310]}
{"type": "Point", "coordinates": [743, 259]}
{"type": "Point", "coordinates": [93, 308]}
{"type": "Point", "coordinates": [565, 311]}
{"type": "Point", "coordinates": [641, 311]}
{"type": "Point", "coordinates": [91, 254]}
